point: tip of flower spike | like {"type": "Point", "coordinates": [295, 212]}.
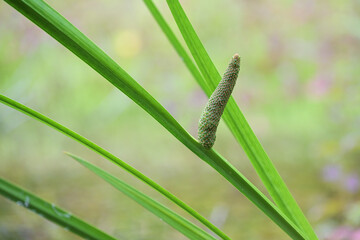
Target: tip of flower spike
{"type": "Point", "coordinates": [236, 59]}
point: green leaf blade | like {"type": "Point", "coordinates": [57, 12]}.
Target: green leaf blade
{"type": "Point", "coordinates": [51, 212]}
{"type": "Point", "coordinates": [77, 137]}
{"type": "Point", "coordinates": [170, 217]}
{"type": "Point", "coordinates": [176, 44]}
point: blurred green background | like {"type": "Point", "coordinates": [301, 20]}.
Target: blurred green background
{"type": "Point", "coordinates": [298, 87]}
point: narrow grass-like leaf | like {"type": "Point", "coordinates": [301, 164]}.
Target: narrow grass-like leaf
{"type": "Point", "coordinates": [176, 44]}
{"type": "Point", "coordinates": [63, 31]}
{"type": "Point", "coordinates": [173, 219]}
{"type": "Point", "coordinates": [209, 156]}
{"type": "Point", "coordinates": [51, 212]}
{"type": "Point", "coordinates": [239, 126]}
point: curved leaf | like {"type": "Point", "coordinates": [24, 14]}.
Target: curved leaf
{"type": "Point", "coordinates": [164, 213]}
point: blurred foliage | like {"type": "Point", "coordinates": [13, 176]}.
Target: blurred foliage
{"type": "Point", "coordinates": [298, 88]}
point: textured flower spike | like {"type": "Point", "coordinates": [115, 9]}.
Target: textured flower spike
{"type": "Point", "coordinates": [211, 115]}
